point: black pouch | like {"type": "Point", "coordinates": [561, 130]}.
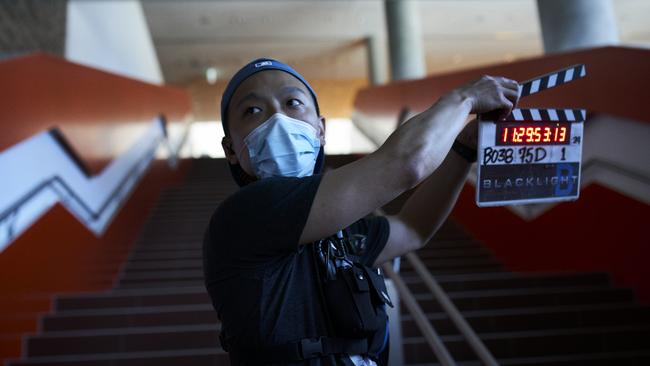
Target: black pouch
{"type": "Point", "coordinates": [350, 302]}
{"type": "Point", "coordinates": [355, 296]}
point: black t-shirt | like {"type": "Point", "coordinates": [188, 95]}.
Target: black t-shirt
{"type": "Point", "coordinates": [263, 284]}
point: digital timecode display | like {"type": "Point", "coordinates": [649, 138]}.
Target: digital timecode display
{"type": "Point", "coordinates": [553, 133]}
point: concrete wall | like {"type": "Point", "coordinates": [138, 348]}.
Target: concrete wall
{"type": "Point", "coordinates": [112, 36]}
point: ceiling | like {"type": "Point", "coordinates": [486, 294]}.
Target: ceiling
{"type": "Point", "coordinates": [324, 39]}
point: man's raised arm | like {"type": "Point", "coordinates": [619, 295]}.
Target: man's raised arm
{"type": "Point", "coordinates": [409, 156]}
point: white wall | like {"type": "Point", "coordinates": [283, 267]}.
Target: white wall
{"type": "Point", "coordinates": [112, 36]}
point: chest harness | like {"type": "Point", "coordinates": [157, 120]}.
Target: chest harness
{"type": "Point", "coordinates": [354, 297]}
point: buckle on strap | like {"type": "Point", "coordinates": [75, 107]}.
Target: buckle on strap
{"type": "Point", "coordinates": [311, 347]}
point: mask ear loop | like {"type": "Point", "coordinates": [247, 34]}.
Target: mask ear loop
{"type": "Point", "coordinates": [238, 155]}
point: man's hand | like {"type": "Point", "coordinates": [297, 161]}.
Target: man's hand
{"type": "Point", "coordinates": [490, 93]}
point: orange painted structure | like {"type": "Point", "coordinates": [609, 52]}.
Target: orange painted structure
{"type": "Point", "coordinates": [100, 116]}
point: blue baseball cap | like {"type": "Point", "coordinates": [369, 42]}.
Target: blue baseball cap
{"type": "Point", "coordinates": [253, 67]}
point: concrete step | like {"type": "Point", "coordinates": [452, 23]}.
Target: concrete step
{"type": "Point", "coordinates": [626, 358]}
{"type": "Point", "coordinates": [537, 318]}
{"type": "Point", "coordinates": [451, 283]}
{"type": "Point", "coordinates": [183, 254]}
{"type": "Point", "coordinates": [455, 251]}
{"type": "Point", "coordinates": [166, 264]}
{"type": "Point", "coordinates": [505, 280]}
{"type": "Point", "coordinates": [538, 343]}
{"type": "Point", "coordinates": [123, 340]}
{"type": "Point", "coordinates": [440, 243]}
{"type": "Point", "coordinates": [145, 285]}
{"type": "Point", "coordinates": [201, 311]}
{"type": "Point", "coordinates": [133, 298]}
{"type": "Point", "coordinates": [535, 297]}
{"type": "Point", "coordinates": [162, 275]}
{"type": "Point", "coordinates": [209, 356]}
{"type": "Point", "coordinates": [155, 278]}
{"type": "Point", "coordinates": [130, 317]}
{"type": "Point", "coordinates": [455, 262]}
{"type": "Point", "coordinates": [134, 267]}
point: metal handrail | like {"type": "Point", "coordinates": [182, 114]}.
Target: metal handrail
{"type": "Point", "coordinates": [448, 306]}
{"type": "Point", "coordinates": [430, 334]}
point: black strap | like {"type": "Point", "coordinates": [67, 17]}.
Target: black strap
{"type": "Point", "coordinates": [464, 151]}
{"type": "Point", "coordinates": [305, 349]}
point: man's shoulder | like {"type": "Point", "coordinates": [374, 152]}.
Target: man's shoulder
{"type": "Point", "coordinates": [266, 213]}
{"type": "Point", "coordinates": [266, 191]}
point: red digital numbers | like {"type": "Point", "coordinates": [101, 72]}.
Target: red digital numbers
{"type": "Point", "coordinates": [537, 134]}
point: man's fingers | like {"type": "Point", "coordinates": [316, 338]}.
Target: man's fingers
{"type": "Point", "coordinates": [511, 95]}
{"type": "Point", "coordinates": [506, 109]}
{"type": "Point", "coordinates": [509, 83]}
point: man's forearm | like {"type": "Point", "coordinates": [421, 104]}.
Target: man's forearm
{"type": "Point", "coordinates": [421, 143]}
{"type": "Point", "coordinates": [433, 200]}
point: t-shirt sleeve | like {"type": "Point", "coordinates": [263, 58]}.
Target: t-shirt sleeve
{"type": "Point", "coordinates": [376, 230]}
{"type": "Point", "coordinates": [264, 219]}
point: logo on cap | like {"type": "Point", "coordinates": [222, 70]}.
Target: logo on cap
{"type": "Point", "coordinates": [263, 63]}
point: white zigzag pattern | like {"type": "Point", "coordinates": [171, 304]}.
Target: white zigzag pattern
{"type": "Point", "coordinates": [39, 159]}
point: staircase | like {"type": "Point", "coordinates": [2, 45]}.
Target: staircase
{"type": "Point", "coordinates": [159, 313]}
{"type": "Point", "coordinates": [561, 319]}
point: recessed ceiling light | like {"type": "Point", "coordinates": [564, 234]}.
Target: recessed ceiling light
{"type": "Point", "coordinates": [211, 75]}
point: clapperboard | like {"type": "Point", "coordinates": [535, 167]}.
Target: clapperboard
{"type": "Point", "coordinates": [533, 155]}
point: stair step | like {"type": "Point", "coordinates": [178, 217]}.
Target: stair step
{"type": "Point", "coordinates": [176, 229]}
{"type": "Point", "coordinates": [197, 313]}
{"type": "Point", "coordinates": [143, 278]}
{"type": "Point", "coordinates": [197, 264]}
{"type": "Point", "coordinates": [140, 297]}
{"type": "Point", "coordinates": [166, 255]}
{"type": "Point", "coordinates": [143, 285]}
{"type": "Point", "coordinates": [210, 356]}
{"type": "Point", "coordinates": [459, 270]}
{"type": "Point", "coordinates": [167, 244]}
{"type": "Point", "coordinates": [124, 340]}
{"type": "Point", "coordinates": [162, 275]}
{"type": "Point", "coordinates": [631, 358]}
{"type": "Point", "coordinates": [538, 343]}
{"type": "Point", "coordinates": [451, 283]}
{"type": "Point", "coordinates": [130, 317]}
{"type": "Point", "coordinates": [512, 298]}
{"type": "Point", "coordinates": [520, 319]}
{"type": "Point", "coordinates": [441, 243]}
{"type": "Point", "coordinates": [167, 264]}
{"type": "Point", "coordinates": [441, 262]}
{"type": "Point", "coordinates": [451, 252]}
{"type": "Point", "coordinates": [503, 280]}
{"type": "Point", "coordinates": [627, 358]}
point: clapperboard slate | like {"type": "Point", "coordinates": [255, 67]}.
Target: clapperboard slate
{"type": "Point", "coordinates": [533, 155]}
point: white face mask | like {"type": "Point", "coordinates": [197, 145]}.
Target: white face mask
{"type": "Point", "coordinates": [283, 147]}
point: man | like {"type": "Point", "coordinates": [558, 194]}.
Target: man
{"type": "Point", "coordinates": [289, 258]}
